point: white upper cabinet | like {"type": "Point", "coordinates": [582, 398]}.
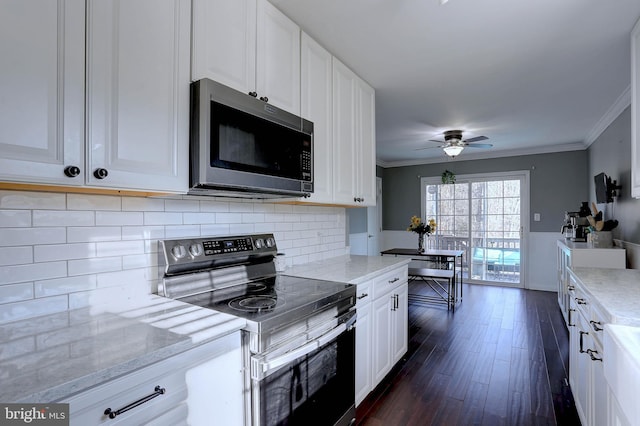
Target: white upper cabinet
{"type": "Point", "coordinates": [316, 106]}
{"type": "Point", "coordinates": [354, 138]}
{"type": "Point", "coordinates": [248, 45]}
{"type": "Point", "coordinates": [138, 94]}
{"type": "Point", "coordinates": [635, 111]}
{"type": "Point", "coordinates": [136, 99]}
{"type": "Point", "coordinates": [42, 91]}
{"type": "Point", "coordinates": [224, 42]}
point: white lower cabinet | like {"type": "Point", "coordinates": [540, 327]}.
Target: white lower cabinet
{"type": "Point", "coordinates": [382, 328]}
{"type": "Point", "coordinates": [586, 369]}
{"type": "Point", "coordinates": [202, 386]}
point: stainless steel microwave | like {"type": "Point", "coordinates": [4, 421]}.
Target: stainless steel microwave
{"type": "Point", "coordinates": [242, 146]}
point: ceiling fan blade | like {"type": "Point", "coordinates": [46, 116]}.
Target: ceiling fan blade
{"type": "Point", "coordinates": [476, 139]}
{"type": "Point", "coordinates": [428, 147]}
{"type": "Point", "coordinates": [433, 140]}
{"type": "Point", "coordinates": [479, 145]}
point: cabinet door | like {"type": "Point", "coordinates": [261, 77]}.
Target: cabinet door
{"type": "Point", "coordinates": [364, 383]}
{"type": "Point", "coordinates": [635, 111]}
{"type": "Point", "coordinates": [344, 133]}
{"type": "Point", "coordinates": [580, 370]}
{"type": "Point", "coordinates": [278, 58]}
{"type": "Point", "coordinates": [382, 337]}
{"type": "Point", "coordinates": [400, 323]}
{"type": "Point", "coordinates": [42, 91]}
{"type": "Point", "coordinates": [224, 42]}
{"type": "Point", "coordinates": [366, 139]}
{"type": "Point", "coordinates": [138, 93]}
{"type": "Point", "coordinates": [316, 106]}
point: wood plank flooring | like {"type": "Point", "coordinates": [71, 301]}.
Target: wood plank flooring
{"type": "Point", "coordinates": [500, 359]}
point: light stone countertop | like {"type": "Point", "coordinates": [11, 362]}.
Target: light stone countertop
{"type": "Point", "coordinates": [352, 269]}
{"type": "Point", "coordinates": [616, 291]}
{"type": "Point", "coordinates": [49, 358]}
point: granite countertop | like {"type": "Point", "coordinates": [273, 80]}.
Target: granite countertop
{"type": "Point", "coordinates": [352, 269]}
{"type": "Point", "coordinates": [616, 291]}
{"type": "Point", "coordinates": [48, 358]}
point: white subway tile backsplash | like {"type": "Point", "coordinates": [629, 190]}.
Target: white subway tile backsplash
{"type": "Point", "coordinates": [47, 253]}
{"type": "Point", "coordinates": [106, 218]}
{"type": "Point", "coordinates": [15, 255]}
{"type": "Point", "coordinates": [63, 218]}
{"type": "Point", "coordinates": [198, 218]}
{"type": "Point", "coordinates": [32, 200]}
{"type": "Point", "coordinates": [120, 248]}
{"type": "Point", "coordinates": [15, 218]}
{"type": "Point", "coordinates": [139, 204]}
{"type": "Point", "coordinates": [33, 308]}
{"type": "Point", "coordinates": [162, 218]}
{"type": "Point", "coordinates": [10, 237]}
{"type": "Point", "coordinates": [67, 251]}
{"type": "Point", "coordinates": [32, 272]}
{"type": "Point", "coordinates": [93, 202]}
{"type": "Point", "coordinates": [16, 292]}
{"type": "Point", "coordinates": [91, 234]}
{"type": "Point", "coordinates": [64, 285]}
{"type": "Point", "coordinates": [95, 265]}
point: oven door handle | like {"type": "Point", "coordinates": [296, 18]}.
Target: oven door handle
{"type": "Point", "coordinates": [260, 367]}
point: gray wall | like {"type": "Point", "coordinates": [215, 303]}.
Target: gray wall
{"type": "Point", "coordinates": [559, 182]}
{"type": "Point", "coordinates": [611, 154]}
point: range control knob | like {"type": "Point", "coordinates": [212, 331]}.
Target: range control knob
{"type": "Point", "coordinates": [196, 250]}
{"type": "Point", "coordinates": [179, 252]}
{"type": "Point", "coordinates": [259, 243]}
{"type": "Point", "coordinates": [271, 242]}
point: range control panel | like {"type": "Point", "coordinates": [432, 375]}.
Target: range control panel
{"type": "Point", "coordinates": [181, 255]}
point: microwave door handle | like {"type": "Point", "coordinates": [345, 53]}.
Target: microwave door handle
{"type": "Point", "coordinates": [260, 367]}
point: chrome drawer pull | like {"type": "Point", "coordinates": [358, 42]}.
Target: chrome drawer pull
{"type": "Point", "coordinates": [394, 280]}
{"type": "Point", "coordinates": [156, 392]}
{"type": "Point", "coordinates": [596, 325]}
{"type": "Point", "coordinates": [580, 301]}
{"type": "Point", "coordinates": [363, 295]}
{"type": "Point", "coordinates": [582, 333]}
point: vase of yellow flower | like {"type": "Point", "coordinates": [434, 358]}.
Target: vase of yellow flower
{"type": "Point", "coordinates": [422, 229]}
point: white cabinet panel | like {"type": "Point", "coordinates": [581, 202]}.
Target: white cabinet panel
{"type": "Point", "coordinates": [224, 42]}
{"type": "Point", "coordinates": [635, 111]}
{"type": "Point", "coordinates": [364, 330]}
{"type": "Point", "coordinates": [278, 58]}
{"type": "Point", "coordinates": [42, 90]}
{"type": "Point", "coordinates": [316, 97]}
{"type": "Point", "coordinates": [138, 94]}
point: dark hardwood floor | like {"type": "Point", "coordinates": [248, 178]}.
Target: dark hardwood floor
{"type": "Point", "coordinates": [500, 359]}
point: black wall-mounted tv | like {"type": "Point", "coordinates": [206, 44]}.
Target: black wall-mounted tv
{"type": "Point", "coordinates": [601, 188]}
{"type": "Point", "coordinates": [605, 188]}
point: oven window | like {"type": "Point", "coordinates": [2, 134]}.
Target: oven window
{"type": "Point", "coordinates": [317, 388]}
{"type": "Point", "coordinates": [244, 142]}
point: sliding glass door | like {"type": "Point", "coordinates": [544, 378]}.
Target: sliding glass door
{"type": "Point", "coordinates": [484, 216]}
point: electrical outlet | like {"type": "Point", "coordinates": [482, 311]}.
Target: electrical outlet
{"type": "Point", "coordinates": [536, 217]}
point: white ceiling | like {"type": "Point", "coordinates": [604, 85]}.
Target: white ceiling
{"type": "Point", "coordinates": [531, 75]}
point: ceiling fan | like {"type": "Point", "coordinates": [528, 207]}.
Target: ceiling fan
{"type": "Point", "coordinates": [454, 144]}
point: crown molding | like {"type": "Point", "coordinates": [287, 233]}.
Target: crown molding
{"type": "Point", "coordinates": [623, 101]}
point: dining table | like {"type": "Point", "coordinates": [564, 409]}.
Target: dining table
{"type": "Point", "coordinates": [443, 265]}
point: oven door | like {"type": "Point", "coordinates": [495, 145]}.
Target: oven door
{"type": "Point", "coordinates": [311, 384]}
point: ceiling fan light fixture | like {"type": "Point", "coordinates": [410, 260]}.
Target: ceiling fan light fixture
{"type": "Point", "coordinates": [453, 150]}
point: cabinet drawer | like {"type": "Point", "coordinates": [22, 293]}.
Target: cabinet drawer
{"type": "Point", "coordinates": [597, 322]}
{"type": "Point", "coordinates": [388, 281]}
{"type": "Point", "coordinates": [89, 407]}
{"type": "Point", "coordinates": [364, 293]}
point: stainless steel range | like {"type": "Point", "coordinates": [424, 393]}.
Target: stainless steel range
{"type": "Point", "coordinates": [299, 341]}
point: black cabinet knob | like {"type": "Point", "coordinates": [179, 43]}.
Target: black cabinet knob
{"type": "Point", "coordinates": [72, 171]}
{"type": "Point", "coordinates": [264, 98]}
{"type": "Point", "coordinates": [100, 173]}
{"type": "Point", "coordinates": [254, 94]}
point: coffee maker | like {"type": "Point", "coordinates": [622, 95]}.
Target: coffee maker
{"type": "Point", "coordinates": [576, 223]}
